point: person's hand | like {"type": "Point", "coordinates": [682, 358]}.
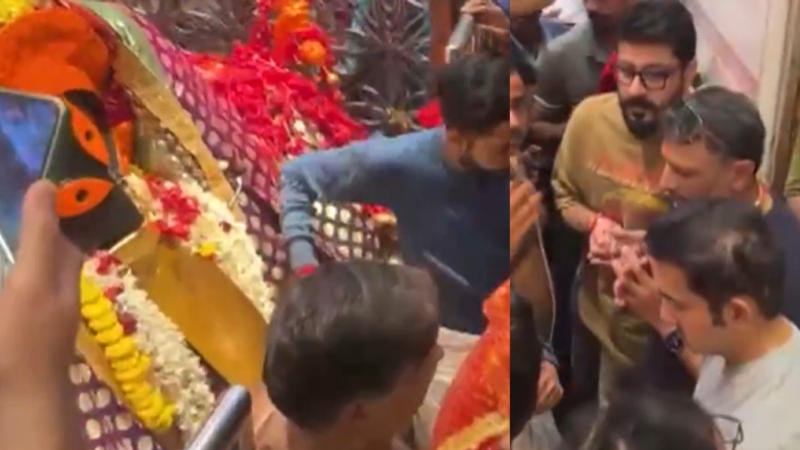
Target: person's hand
{"type": "Point", "coordinates": [525, 211]}
{"type": "Point", "coordinates": [549, 391]}
{"type": "Point", "coordinates": [489, 16]}
{"type": "Point", "coordinates": [39, 302]}
{"type": "Point", "coordinates": [603, 247]}
{"type": "Point", "coordinates": [635, 289]}
{"type": "Point", "coordinates": [487, 13]}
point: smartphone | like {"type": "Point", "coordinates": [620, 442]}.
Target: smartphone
{"type": "Point", "coordinates": [63, 140]}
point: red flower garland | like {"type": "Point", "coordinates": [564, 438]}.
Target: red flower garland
{"type": "Point", "coordinates": [179, 210]}
{"type": "Point", "coordinates": [270, 96]}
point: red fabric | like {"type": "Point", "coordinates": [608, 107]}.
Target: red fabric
{"type": "Point", "coordinates": [481, 386]}
{"type": "Point", "coordinates": [608, 78]}
{"type": "Point", "coordinates": [306, 270]}
{"type": "Point", "coordinates": [430, 115]}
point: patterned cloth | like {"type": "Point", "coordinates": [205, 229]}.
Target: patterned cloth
{"type": "Point", "coordinates": [225, 133]}
{"type": "Point", "coordinates": [107, 423]}
{"type": "Point", "coordinates": [475, 410]}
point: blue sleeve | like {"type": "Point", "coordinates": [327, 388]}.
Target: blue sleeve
{"type": "Point", "coordinates": [364, 172]}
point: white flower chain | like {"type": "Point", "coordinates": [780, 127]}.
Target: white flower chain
{"type": "Point", "coordinates": [234, 250]}
{"type": "Point", "coordinates": [176, 369]}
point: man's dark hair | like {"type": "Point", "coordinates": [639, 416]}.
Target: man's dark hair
{"type": "Point", "coordinates": [347, 331]}
{"type": "Point", "coordinates": [728, 121]}
{"type": "Point", "coordinates": [473, 92]}
{"type": "Point", "coordinates": [639, 418]}
{"type": "Point", "coordinates": [526, 362]}
{"type": "Point", "coordinates": [725, 249]}
{"type": "Point", "coordinates": [525, 71]}
{"type": "Point", "coordinates": [664, 22]}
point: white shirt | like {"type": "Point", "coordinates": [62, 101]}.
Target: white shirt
{"type": "Point", "coordinates": [763, 395]}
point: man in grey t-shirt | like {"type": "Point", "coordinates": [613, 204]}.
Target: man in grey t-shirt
{"type": "Point", "coordinates": [570, 67]}
{"type": "Point", "coordinates": [721, 276]}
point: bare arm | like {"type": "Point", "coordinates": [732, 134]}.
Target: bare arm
{"type": "Point", "coordinates": [40, 413]}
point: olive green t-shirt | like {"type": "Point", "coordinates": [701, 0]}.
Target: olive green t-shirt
{"type": "Point", "coordinates": [603, 167]}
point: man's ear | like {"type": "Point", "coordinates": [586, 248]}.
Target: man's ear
{"type": "Point", "coordinates": [743, 172]}
{"type": "Point", "coordinates": [689, 76]}
{"type": "Point", "coordinates": [738, 310]}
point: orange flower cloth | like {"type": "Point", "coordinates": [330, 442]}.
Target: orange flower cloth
{"type": "Point", "coordinates": [475, 409]}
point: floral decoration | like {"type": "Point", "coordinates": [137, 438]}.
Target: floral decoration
{"type": "Point", "coordinates": [178, 383]}
{"type": "Point", "coordinates": [130, 367]}
{"type": "Point", "coordinates": [205, 224]}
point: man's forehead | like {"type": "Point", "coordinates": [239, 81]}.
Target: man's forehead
{"type": "Point", "coordinates": [642, 54]}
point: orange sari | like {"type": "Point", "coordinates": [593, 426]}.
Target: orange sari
{"type": "Point", "coordinates": [475, 410]}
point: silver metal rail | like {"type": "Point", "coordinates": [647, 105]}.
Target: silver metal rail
{"type": "Point", "coordinates": [222, 429]}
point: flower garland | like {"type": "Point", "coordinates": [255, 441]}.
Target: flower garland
{"type": "Point", "coordinates": [11, 9]}
{"type": "Point", "coordinates": [202, 222]}
{"type": "Point", "coordinates": [288, 110]}
{"type": "Point", "coordinates": [131, 368]}
{"type": "Point", "coordinates": [156, 341]}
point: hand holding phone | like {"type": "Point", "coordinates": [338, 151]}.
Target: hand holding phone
{"type": "Point", "coordinates": [66, 141]}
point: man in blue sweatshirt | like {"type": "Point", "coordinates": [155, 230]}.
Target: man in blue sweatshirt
{"type": "Point", "coordinates": [448, 187]}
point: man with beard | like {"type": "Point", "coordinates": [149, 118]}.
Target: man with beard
{"type": "Point", "coordinates": [713, 146]}
{"type": "Point", "coordinates": [607, 171]}
{"type": "Point", "coordinates": [570, 67]}
{"type": "Point", "coordinates": [448, 188]}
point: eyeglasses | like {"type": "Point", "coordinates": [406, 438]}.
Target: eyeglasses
{"type": "Point", "coordinates": [652, 79]}
{"type": "Point", "coordinates": [730, 430]}
{"type": "Point", "coordinates": [690, 126]}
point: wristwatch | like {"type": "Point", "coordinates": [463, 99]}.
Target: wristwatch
{"type": "Point", "coordinates": [674, 341]}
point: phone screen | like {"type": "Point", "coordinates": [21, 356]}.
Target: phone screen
{"type": "Point", "coordinates": [27, 125]}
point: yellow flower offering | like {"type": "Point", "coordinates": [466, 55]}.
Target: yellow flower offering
{"type": "Point", "coordinates": [131, 368]}
{"type": "Point", "coordinates": [11, 9]}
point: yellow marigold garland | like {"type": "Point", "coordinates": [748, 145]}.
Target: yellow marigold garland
{"type": "Point", "coordinates": [175, 369]}
{"type": "Point", "coordinates": [131, 368]}
{"type": "Point", "coordinates": [11, 9]}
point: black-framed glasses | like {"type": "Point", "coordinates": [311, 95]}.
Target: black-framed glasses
{"type": "Point", "coordinates": [689, 126]}
{"type": "Point", "coordinates": [730, 430]}
{"type": "Point", "coordinates": [653, 79]}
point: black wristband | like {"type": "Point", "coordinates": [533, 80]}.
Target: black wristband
{"type": "Point", "coordinates": [674, 342]}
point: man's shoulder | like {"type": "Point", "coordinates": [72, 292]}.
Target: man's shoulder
{"type": "Point", "coordinates": [596, 106]}
{"type": "Point", "coordinates": [570, 43]}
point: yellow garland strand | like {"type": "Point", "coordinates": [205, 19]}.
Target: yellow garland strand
{"type": "Point", "coordinates": [130, 367]}
{"type": "Point", "coordinates": [11, 9]}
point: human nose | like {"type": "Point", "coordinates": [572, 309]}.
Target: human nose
{"type": "Point", "coordinates": [637, 87]}
{"type": "Point", "coordinates": [668, 181]}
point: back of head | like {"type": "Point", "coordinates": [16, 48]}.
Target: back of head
{"type": "Point", "coordinates": [643, 419]}
{"type": "Point", "coordinates": [347, 332]}
{"type": "Point", "coordinates": [661, 22]}
{"type": "Point", "coordinates": [526, 72]}
{"type": "Point", "coordinates": [473, 93]}
{"type": "Point", "coordinates": [733, 121]}
{"type": "Point", "coordinates": [725, 249]}
{"type": "Point", "coordinates": [526, 359]}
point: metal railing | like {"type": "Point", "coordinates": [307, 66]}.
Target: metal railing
{"type": "Point", "coordinates": [223, 428]}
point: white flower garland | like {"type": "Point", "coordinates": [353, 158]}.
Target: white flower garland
{"type": "Point", "coordinates": [233, 249]}
{"type": "Point", "coordinates": [176, 369]}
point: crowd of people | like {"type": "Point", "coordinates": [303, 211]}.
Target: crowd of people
{"type": "Point", "coordinates": [650, 304]}
{"type": "Point", "coordinates": [680, 302]}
